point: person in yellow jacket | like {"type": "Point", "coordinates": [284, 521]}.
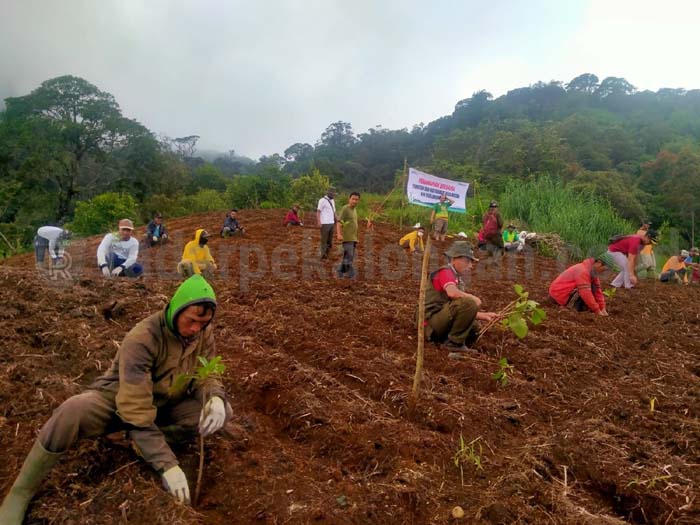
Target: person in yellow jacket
{"type": "Point", "coordinates": [196, 258]}
{"type": "Point", "coordinates": [414, 240]}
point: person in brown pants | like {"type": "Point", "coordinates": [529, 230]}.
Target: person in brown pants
{"type": "Point", "coordinates": [150, 390]}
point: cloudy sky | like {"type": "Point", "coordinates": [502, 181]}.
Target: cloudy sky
{"type": "Point", "coordinates": [258, 76]}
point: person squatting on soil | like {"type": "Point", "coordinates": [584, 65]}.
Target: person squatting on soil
{"type": "Point", "coordinates": [624, 250]}
{"type": "Point", "coordinates": [440, 217]}
{"type": "Point", "coordinates": [450, 312]}
{"type": "Point", "coordinates": [646, 266]}
{"type": "Point", "coordinates": [231, 225]}
{"type": "Point", "coordinates": [292, 217]}
{"type": "Point", "coordinates": [675, 269]}
{"type": "Point", "coordinates": [117, 254]}
{"type": "Point", "coordinates": [148, 391]}
{"type": "Point", "coordinates": [492, 222]}
{"type": "Point", "coordinates": [53, 239]}
{"type": "Point", "coordinates": [578, 286]}
{"type": "Point", "coordinates": [414, 240]}
{"type": "Point", "coordinates": [346, 230]}
{"type": "Point", "coordinates": [156, 233]}
{"type": "Point", "coordinates": [326, 219]}
{"type": "Point", "coordinates": [196, 257]}
{"type": "Point", "coordinates": [511, 239]}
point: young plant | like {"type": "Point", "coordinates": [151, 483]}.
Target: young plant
{"type": "Point", "coordinates": [504, 371]}
{"type": "Point", "coordinates": [517, 314]}
{"type": "Point", "coordinates": [610, 293]}
{"type": "Point", "coordinates": [209, 369]}
{"type": "Point", "coordinates": [467, 454]}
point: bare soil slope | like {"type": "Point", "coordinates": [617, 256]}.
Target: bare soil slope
{"type": "Point", "coordinates": [319, 372]}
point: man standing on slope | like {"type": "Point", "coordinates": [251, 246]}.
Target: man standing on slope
{"type": "Point", "coordinates": [440, 217]}
{"type": "Point", "coordinates": [346, 229]}
{"type": "Point", "coordinates": [117, 254]}
{"type": "Point", "coordinates": [578, 287]}
{"type": "Point", "coordinates": [148, 391]}
{"type": "Point", "coordinates": [326, 219]}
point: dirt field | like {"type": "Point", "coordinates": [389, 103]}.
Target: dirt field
{"type": "Point", "coordinates": [319, 372]}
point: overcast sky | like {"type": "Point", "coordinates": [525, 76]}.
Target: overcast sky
{"type": "Point", "coordinates": [258, 76]}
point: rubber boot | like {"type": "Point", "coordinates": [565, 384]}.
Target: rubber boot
{"type": "Point", "coordinates": [37, 465]}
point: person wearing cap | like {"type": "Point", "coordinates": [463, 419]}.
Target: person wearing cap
{"type": "Point", "coordinates": [450, 312]}
{"type": "Point", "coordinates": [440, 217]}
{"type": "Point", "coordinates": [492, 223]}
{"type": "Point", "coordinates": [117, 253]}
{"type": "Point", "coordinates": [414, 239]}
{"type": "Point", "coordinates": [150, 391]}
{"type": "Point", "coordinates": [675, 269]}
{"type": "Point", "coordinates": [52, 239]}
{"type": "Point", "coordinates": [292, 217]}
{"type": "Point", "coordinates": [156, 234]}
{"type": "Point", "coordinates": [326, 218]}
{"type": "Point", "coordinates": [579, 287]}
{"type": "Point", "coordinates": [646, 266]}
{"type": "Point", "coordinates": [510, 239]}
{"type": "Point", "coordinates": [625, 250]}
{"type": "Point", "coordinates": [196, 257]}
{"type": "Point", "coordinates": [231, 225]}
{"type": "Point", "coordinates": [346, 231]}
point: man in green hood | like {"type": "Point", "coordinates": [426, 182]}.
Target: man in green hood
{"type": "Point", "coordinates": [149, 391]}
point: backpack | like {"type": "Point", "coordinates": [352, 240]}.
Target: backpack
{"type": "Point", "coordinates": [490, 225]}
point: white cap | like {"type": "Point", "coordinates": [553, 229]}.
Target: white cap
{"type": "Point", "coordinates": [685, 253]}
{"type": "Point", "coordinates": [417, 225]}
{"type": "Point", "coordinates": [463, 235]}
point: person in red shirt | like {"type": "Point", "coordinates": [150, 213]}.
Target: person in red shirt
{"type": "Point", "coordinates": [578, 287]}
{"type": "Point", "coordinates": [450, 312]}
{"type": "Point", "coordinates": [624, 251]}
{"type": "Point", "coordinates": [292, 217]}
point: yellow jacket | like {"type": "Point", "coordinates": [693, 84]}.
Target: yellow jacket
{"type": "Point", "coordinates": [199, 256]}
{"type": "Point", "coordinates": [412, 238]}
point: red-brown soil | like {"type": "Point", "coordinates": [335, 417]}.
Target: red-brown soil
{"type": "Point", "coordinates": [319, 372]}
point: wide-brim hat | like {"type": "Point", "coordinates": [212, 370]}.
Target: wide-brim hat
{"type": "Point", "coordinates": [126, 224]}
{"type": "Point", "coordinates": [608, 261]}
{"type": "Point", "coordinates": [461, 249]}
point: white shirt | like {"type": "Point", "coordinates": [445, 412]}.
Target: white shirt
{"type": "Point", "coordinates": [111, 243]}
{"type": "Point", "coordinates": [327, 208]}
{"type": "Point", "coordinates": [51, 234]}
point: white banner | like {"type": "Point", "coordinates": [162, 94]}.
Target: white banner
{"type": "Point", "coordinates": [424, 190]}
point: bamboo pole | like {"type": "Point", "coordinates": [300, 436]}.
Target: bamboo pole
{"type": "Point", "coordinates": [403, 196]}
{"type": "Point", "coordinates": [417, 378]}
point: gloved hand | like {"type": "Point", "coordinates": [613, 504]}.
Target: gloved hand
{"type": "Point", "coordinates": [105, 271]}
{"type": "Point", "coordinates": [155, 239]}
{"type": "Point", "coordinates": [117, 271]}
{"type": "Point", "coordinates": [212, 417]}
{"type": "Point", "coordinates": [175, 483]}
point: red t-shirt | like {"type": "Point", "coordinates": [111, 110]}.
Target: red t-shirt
{"type": "Point", "coordinates": [442, 278]}
{"type": "Point", "coordinates": [578, 277]}
{"type": "Point", "coordinates": [631, 244]}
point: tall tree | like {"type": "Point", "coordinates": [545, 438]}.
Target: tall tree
{"type": "Point", "coordinates": [586, 83]}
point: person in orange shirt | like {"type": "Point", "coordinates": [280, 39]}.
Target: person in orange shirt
{"type": "Point", "coordinates": [675, 270]}
{"type": "Point", "coordinates": [578, 287]}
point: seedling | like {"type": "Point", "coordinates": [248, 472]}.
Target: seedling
{"type": "Point", "coordinates": [517, 314]}
{"type": "Point", "coordinates": [467, 454]}
{"type": "Point", "coordinates": [652, 404]}
{"type": "Point", "coordinates": [504, 371]}
{"type": "Point", "coordinates": [210, 368]}
{"type": "Point", "coordinates": [610, 293]}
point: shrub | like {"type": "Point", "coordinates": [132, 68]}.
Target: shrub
{"type": "Point", "coordinates": [204, 200]}
{"type": "Point", "coordinates": [308, 189]}
{"type": "Point", "coordinates": [102, 213]}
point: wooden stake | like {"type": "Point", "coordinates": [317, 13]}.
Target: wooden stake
{"type": "Point", "coordinates": [421, 328]}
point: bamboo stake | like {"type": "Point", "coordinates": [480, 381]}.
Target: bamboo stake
{"type": "Point", "coordinates": [421, 328]}
{"type": "Point", "coordinates": [201, 470]}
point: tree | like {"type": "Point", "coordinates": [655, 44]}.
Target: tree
{"type": "Point", "coordinates": [338, 135]}
{"type": "Point", "coordinates": [185, 147]}
{"type": "Point", "coordinates": [298, 152]}
{"type": "Point", "coordinates": [62, 123]}
{"type": "Point", "coordinates": [611, 86]}
{"type": "Point", "coordinates": [586, 83]}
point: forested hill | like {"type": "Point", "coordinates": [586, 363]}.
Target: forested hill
{"type": "Point", "coordinates": [67, 142]}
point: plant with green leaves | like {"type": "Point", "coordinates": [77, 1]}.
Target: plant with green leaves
{"type": "Point", "coordinates": [210, 368]}
{"type": "Point", "coordinates": [502, 375]}
{"type": "Point", "coordinates": [517, 314]}
{"type": "Point", "coordinates": [467, 455]}
{"type": "Point", "coordinates": [610, 293]}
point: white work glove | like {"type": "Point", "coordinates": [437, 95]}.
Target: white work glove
{"type": "Point", "coordinates": [213, 416]}
{"type": "Point", "coordinates": [155, 239]}
{"type": "Point", "coordinates": [117, 271]}
{"type": "Point", "coordinates": [175, 483]}
{"type": "Point", "coordinates": [105, 271]}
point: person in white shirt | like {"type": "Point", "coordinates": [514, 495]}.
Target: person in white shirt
{"type": "Point", "coordinates": [326, 219]}
{"type": "Point", "coordinates": [53, 239]}
{"type": "Point", "coordinates": [116, 254]}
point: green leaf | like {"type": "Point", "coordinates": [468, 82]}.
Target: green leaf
{"type": "Point", "coordinates": [518, 325]}
{"type": "Point", "coordinates": [538, 315]}
{"type": "Point", "coordinates": [519, 289]}
{"type": "Point", "coordinates": [531, 305]}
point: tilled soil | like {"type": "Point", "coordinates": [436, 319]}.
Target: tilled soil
{"type": "Point", "coordinates": [598, 423]}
